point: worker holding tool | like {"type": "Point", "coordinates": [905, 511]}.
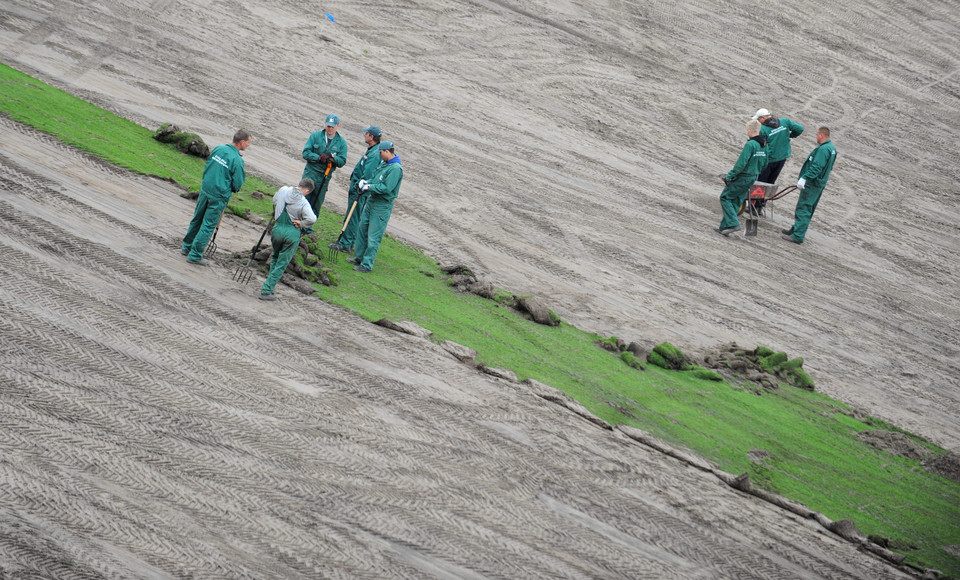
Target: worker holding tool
{"type": "Point", "coordinates": [293, 217]}
{"type": "Point", "coordinates": [363, 170]}
{"type": "Point", "coordinates": [382, 192]}
{"type": "Point", "coordinates": [325, 152]}
{"type": "Point", "coordinates": [813, 178]}
{"type": "Point", "coordinates": [752, 160]}
{"type": "Point", "coordinates": [223, 176]}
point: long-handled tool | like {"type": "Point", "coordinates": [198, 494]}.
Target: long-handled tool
{"type": "Point", "coordinates": [211, 248]}
{"type": "Point", "coordinates": [754, 197]}
{"type": "Point", "coordinates": [326, 175]}
{"type": "Point", "coordinates": [335, 247]}
{"type": "Point", "coordinates": [752, 221]}
{"type": "Point", "coordinates": [244, 273]}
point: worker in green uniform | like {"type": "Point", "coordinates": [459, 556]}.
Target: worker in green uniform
{"type": "Point", "coordinates": [223, 176]}
{"type": "Point", "coordinates": [813, 178]}
{"type": "Point", "coordinates": [752, 160]}
{"type": "Point", "coordinates": [325, 152]}
{"type": "Point", "coordinates": [778, 131]}
{"type": "Point", "coordinates": [382, 192]}
{"type": "Point", "coordinates": [364, 170]}
{"type": "Point", "coordinates": [293, 216]}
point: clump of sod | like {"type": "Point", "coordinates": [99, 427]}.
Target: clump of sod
{"type": "Point", "coordinates": [189, 143]}
{"type": "Point", "coordinates": [669, 357]}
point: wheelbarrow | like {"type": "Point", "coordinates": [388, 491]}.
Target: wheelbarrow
{"type": "Point", "coordinates": [757, 196]}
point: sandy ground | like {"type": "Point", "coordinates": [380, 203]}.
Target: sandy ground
{"type": "Point", "coordinates": [159, 423]}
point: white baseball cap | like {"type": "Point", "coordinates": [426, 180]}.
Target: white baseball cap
{"type": "Point", "coordinates": [761, 113]}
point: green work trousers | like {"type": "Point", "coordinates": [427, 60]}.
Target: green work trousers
{"type": "Point", "coordinates": [285, 239]}
{"type": "Point", "coordinates": [732, 198]}
{"type": "Point", "coordinates": [320, 183]}
{"type": "Point", "coordinates": [206, 217]}
{"type": "Point", "coordinates": [370, 230]}
{"type": "Point", "coordinates": [806, 205]}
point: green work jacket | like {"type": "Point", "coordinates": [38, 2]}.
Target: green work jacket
{"type": "Point", "coordinates": [317, 144]}
{"type": "Point", "coordinates": [385, 185]}
{"type": "Point", "coordinates": [778, 140]}
{"type": "Point", "coordinates": [752, 160]}
{"type": "Point", "coordinates": [223, 174]}
{"type": "Point", "coordinates": [366, 168]}
{"type": "Point", "coordinates": [816, 169]}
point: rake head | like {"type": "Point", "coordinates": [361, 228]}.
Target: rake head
{"type": "Point", "coordinates": [243, 274]}
{"type": "Point", "coordinates": [211, 249]}
{"type": "Point", "coordinates": [335, 248]}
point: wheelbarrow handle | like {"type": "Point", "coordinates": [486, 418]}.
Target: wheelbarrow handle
{"type": "Point", "coordinates": [782, 193]}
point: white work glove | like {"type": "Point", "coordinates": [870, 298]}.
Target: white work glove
{"type": "Point", "coordinates": [362, 185]}
{"type": "Point", "coordinates": [801, 183]}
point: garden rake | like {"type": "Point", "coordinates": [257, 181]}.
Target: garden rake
{"type": "Point", "coordinates": [244, 273]}
{"type": "Point", "coordinates": [326, 176]}
{"type": "Point", "coordinates": [212, 246]}
{"type": "Point", "coordinates": [335, 247]}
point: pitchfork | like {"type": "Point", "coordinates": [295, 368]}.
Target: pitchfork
{"type": "Point", "coordinates": [244, 273]}
{"type": "Point", "coordinates": [335, 247]}
{"type": "Point", "coordinates": [212, 246]}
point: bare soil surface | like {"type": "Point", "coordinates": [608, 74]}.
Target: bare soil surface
{"type": "Point", "coordinates": [158, 421]}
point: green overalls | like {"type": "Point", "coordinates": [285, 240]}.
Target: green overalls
{"type": "Point", "coordinates": [317, 144]}
{"type": "Point", "coordinates": [751, 162]}
{"type": "Point", "coordinates": [366, 168]}
{"type": "Point", "coordinates": [285, 239]}
{"type": "Point", "coordinates": [816, 170]}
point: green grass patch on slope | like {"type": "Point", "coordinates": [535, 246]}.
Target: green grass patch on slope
{"type": "Point", "coordinates": [806, 443]}
{"type": "Point", "coordinates": [92, 129]}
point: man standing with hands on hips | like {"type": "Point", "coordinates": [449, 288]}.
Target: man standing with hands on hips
{"type": "Point", "coordinates": [813, 178]}
{"type": "Point", "coordinates": [381, 192]}
{"type": "Point", "coordinates": [325, 151]}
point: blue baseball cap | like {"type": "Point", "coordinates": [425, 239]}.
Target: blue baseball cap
{"type": "Point", "coordinates": [384, 145]}
{"type": "Point", "coordinates": [333, 120]}
{"type": "Point", "coordinates": [373, 130]}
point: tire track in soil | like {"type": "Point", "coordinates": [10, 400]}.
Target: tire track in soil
{"type": "Point", "coordinates": [88, 158]}
{"type": "Point", "coordinates": [153, 293]}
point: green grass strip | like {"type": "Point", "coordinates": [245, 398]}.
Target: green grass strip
{"type": "Point", "coordinates": [92, 129]}
{"type": "Point", "coordinates": [809, 447]}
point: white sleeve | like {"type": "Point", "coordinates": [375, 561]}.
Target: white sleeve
{"type": "Point", "coordinates": [307, 217]}
{"type": "Point", "coordinates": [280, 201]}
